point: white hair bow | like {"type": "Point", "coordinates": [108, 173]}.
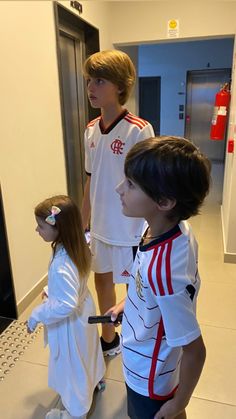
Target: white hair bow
{"type": "Point", "coordinates": [51, 218]}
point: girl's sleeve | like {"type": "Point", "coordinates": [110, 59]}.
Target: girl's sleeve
{"type": "Point", "coordinates": [64, 300]}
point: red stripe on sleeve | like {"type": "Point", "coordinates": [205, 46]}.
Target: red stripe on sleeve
{"type": "Point", "coordinates": [150, 270]}
{"type": "Point", "coordinates": [168, 268]}
{"type": "Point", "coordinates": [160, 332]}
{"type": "Point", "coordinates": [151, 378]}
{"type": "Point", "coordinates": [158, 271]}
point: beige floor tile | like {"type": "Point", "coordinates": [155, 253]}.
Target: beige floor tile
{"type": "Point", "coordinates": [36, 353]}
{"type": "Point", "coordinates": [25, 394]}
{"type": "Point", "coordinates": [217, 382]}
{"type": "Point", "coordinates": [216, 304]}
{"type": "Point", "coordinates": [111, 404]}
{"type": "Point", "coordinates": [114, 368]}
{"type": "Point", "coordinates": [213, 269]}
{"type": "Point", "coordinates": [204, 409]}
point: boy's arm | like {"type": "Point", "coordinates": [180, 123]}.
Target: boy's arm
{"type": "Point", "coordinates": [86, 209]}
{"type": "Point", "coordinates": [115, 310]}
{"type": "Point", "coordinates": [192, 362]}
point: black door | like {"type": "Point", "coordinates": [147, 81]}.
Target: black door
{"type": "Point", "coordinates": [7, 296]}
{"type": "Point", "coordinates": [149, 101]}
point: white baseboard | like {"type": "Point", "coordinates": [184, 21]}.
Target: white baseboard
{"type": "Point", "coordinates": [228, 257]}
{"type": "Point", "coordinates": [31, 295]}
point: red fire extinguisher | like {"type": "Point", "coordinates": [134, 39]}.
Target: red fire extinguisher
{"type": "Point", "coordinates": [219, 119]}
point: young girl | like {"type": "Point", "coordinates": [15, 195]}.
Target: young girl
{"type": "Point", "coordinates": [76, 364]}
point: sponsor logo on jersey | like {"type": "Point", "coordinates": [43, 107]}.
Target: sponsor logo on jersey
{"type": "Point", "coordinates": [117, 146]}
{"type": "Point", "coordinates": [125, 273]}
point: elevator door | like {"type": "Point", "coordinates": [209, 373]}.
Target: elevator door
{"type": "Point", "coordinates": [74, 110]}
{"type": "Point", "coordinates": [202, 87]}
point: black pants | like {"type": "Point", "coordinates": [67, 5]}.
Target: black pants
{"type": "Point", "coordinates": [142, 407]}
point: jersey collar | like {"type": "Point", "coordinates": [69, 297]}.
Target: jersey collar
{"type": "Point", "coordinates": [113, 124]}
{"type": "Point", "coordinates": [169, 235]}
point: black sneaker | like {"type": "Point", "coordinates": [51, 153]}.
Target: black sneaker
{"type": "Point", "coordinates": [111, 348]}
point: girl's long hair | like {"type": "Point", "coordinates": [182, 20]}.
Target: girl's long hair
{"type": "Point", "coordinates": [70, 231]}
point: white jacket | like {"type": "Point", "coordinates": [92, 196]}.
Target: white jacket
{"type": "Point", "coordinates": [76, 362]}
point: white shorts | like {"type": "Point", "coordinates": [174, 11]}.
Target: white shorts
{"type": "Point", "coordinates": [116, 259]}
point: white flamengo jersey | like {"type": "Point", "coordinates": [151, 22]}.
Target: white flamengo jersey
{"type": "Point", "coordinates": [160, 312]}
{"type": "Point", "coordinates": [105, 152]}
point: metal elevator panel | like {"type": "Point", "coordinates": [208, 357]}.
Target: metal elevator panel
{"type": "Point", "coordinates": [202, 87]}
{"type": "Point", "coordinates": [74, 111]}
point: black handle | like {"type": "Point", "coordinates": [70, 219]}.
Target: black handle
{"type": "Point", "coordinates": [104, 319]}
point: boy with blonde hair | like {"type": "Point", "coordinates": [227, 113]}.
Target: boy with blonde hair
{"type": "Point", "coordinates": [110, 76]}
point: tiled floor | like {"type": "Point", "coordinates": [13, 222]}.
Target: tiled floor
{"type": "Point", "coordinates": [24, 392]}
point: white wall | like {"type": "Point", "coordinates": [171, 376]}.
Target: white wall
{"type": "Point", "coordinates": [96, 13]}
{"type": "Point", "coordinates": [31, 150]}
{"type": "Point", "coordinates": [229, 195]}
{"type": "Point", "coordinates": [32, 165]}
{"type": "Point", "coordinates": [146, 21]}
{"type": "Point", "coordinates": [171, 61]}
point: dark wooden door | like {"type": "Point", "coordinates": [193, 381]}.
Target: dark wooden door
{"type": "Point", "coordinates": [149, 101]}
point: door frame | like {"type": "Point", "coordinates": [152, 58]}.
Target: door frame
{"type": "Point", "coordinates": [64, 18]}
{"type": "Point", "coordinates": [68, 25]}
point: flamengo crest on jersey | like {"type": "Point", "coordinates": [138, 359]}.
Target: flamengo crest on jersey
{"type": "Point", "coordinates": [117, 146]}
{"type": "Point", "coordinates": [105, 153]}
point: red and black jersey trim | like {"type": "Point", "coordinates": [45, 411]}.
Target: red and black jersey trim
{"type": "Point", "coordinates": [108, 129]}
{"type": "Point", "coordinates": [158, 246]}
{"type": "Point", "coordinates": [93, 122]}
{"type": "Point", "coordinates": [135, 120]}
{"type": "Point", "coordinates": [128, 116]}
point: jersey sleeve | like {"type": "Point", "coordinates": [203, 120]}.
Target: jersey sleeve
{"type": "Point", "coordinates": [179, 318]}
{"type": "Point", "coordinates": [87, 155]}
{"type": "Point", "coordinates": [145, 133]}
{"type": "Point", "coordinates": [63, 301]}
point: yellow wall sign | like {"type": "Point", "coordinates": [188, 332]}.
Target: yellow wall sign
{"type": "Point", "coordinates": [173, 28]}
